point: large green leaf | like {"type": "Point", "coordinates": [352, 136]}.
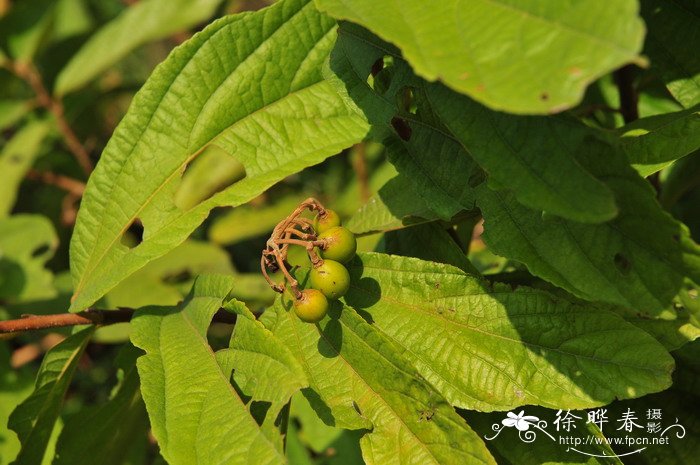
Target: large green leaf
{"type": "Point", "coordinates": [105, 434]}
{"type": "Point", "coordinates": [27, 242]}
{"type": "Point", "coordinates": [15, 160]}
{"type": "Point", "coordinates": [524, 154]}
{"type": "Point", "coordinates": [33, 420]}
{"type": "Point", "coordinates": [635, 260]}
{"type": "Point", "coordinates": [500, 52]}
{"type": "Point", "coordinates": [264, 370]}
{"type": "Point", "coordinates": [15, 385]}
{"type": "Point", "coordinates": [428, 242]}
{"type": "Point", "coordinates": [194, 410]}
{"type": "Point", "coordinates": [490, 347]}
{"type": "Point", "coordinates": [671, 43]}
{"type": "Point", "coordinates": [250, 84]}
{"type": "Point", "coordinates": [139, 24]}
{"type": "Point", "coordinates": [359, 379]}
{"type": "Point", "coordinates": [654, 142]}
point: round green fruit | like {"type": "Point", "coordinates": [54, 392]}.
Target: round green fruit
{"type": "Point", "coordinates": [312, 306]}
{"type": "Point", "coordinates": [340, 244]}
{"type": "Point", "coordinates": [331, 278]}
{"type": "Point", "coordinates": [328, 220]}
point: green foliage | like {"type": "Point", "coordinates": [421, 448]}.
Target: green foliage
{"type": "Point", "coordinates": [374, 387]}
{"type": "Point", "coordinates": [33, 420]}
{"type": "Point", "coordinates": [522, 178]}
{"type": "Point", "coordinates": [15, 160]}
{"type": "Point", "coordinates": [26, 243]}
{"type": "Point", "coordinates": [185, 389]}
{"type": "Point", "coordinates": [145, 22]}
{"type": "Point", "coordinates": [294, 99]}
{"type": "Point", "coordinates": [496, 51]}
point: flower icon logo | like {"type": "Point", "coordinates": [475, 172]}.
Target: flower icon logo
{"type": "Point", "coordinates": [521, 421]}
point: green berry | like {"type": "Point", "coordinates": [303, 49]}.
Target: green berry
{"type": "Point", "coordinates": [331, 278]}
{"type": "Point", "coordinates": [312, 306]}
{"type": "Point", "coordinates": [329, 220]}
{"type": "Point", "coordinates": [340, 244]}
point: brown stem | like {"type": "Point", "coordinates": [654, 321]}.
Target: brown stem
{"type": "Point", "coordinates": [624, 79]}
{"type": "Point", "coordinates": [27, 72]}
{"type": "Point", "coordinates": [360, 166]}
{"type": "Point", "coordinates": [88, 317]}
{"type": "Point", "coordinates": [70, 185]}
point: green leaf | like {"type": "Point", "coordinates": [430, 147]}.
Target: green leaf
{"type": "Point", "coordinates": [16, 158]}
{"type": "Point", "coordinates": [395, 206]}
{"type": "Point", "coordinates": [241, 74]}
{"type": "Point", "coordinates": [166, 280]}
{"type": "Point", "coordinates": [27, 242]}
{"type": "Point", "coordinates": [194, 410]}
{"type": "Point", "coordinates": [500, 52]}
{"type": "Point", "coordinates": [25, 27]}
{"type": "Point", "coordinates": [139, 24]}
{"type": "Point", "coordinates": [635, 260]}
{"type": "Point", "coordinates": [671, 43]}
{"type": "Point", "coordinates": [494, 348]}
{"type": "Point", "coordinates": [675, 326]}
{"type": "Point", "coordinates": [528, 157]}
{"type": "Point", "coordinates": [15, 385]}
{"type": "Point", "coordinates": [359, 379]}
{"type": "Point", "coordinates": [654, 142]}
{"type": "Point", "coordinates": [314, 432]}
{"type": "Point", "coordinates": [12, 111]}
{"type": "Point", "coordinates": [210, 172]}
{"type": "Point", "coordinates": [428, 242]}
{"type": "Point", "coordinates": [248, 221]}
{"type": "Point", "coordinates": [524, 154]}
{"type": "Point", "coordinates": [264, 370]}
{"type": "Point", "coordinates": [105, 434]}
{"type": "Point", "coordinates": [687, 374]}
{"type": "Point", "coordinates": [33, 420]}
{"type": "Point", "coordinates": [681, 177]}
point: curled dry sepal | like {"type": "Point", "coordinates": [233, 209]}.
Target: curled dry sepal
{"type": "Point", "coordinates": [329, 279]}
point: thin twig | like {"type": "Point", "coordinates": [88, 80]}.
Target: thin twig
{"type": "Point", "coordinates": [360, 166]}
{"type": "Point", "coordinates": [55, 106]}
{"type": "Point", "coordinates": [66, 183]}
{"type": "Point", "coordinates": [88, 317]}
{"type": "Point", "coordinates": [629, 99]}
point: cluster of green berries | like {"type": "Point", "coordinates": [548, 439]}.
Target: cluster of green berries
{"type": "Point", "coordinates": [329, 279]}
{"type": "Point", "coordinates": [328, 246]}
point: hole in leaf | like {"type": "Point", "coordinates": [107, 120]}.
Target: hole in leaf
{"type": "Point", "coordinates": [208, 174]}
{"type": "Point", "coordinates": [133, 235]}
{"type": "Point", "coordinates": [401, 127]}
{"type": "Point", "coordinates": [356, 408]}
{"type": "Point", "coordinates": [380, 74]}
{"type": "Point", "coordinates": [41, 250]}
{"type": "Point", "coordinates": [258, 410]}
{"type": "Point", "coordinates": [622, 263]}
{"type": "Point", "coordinates": [406, 100]}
